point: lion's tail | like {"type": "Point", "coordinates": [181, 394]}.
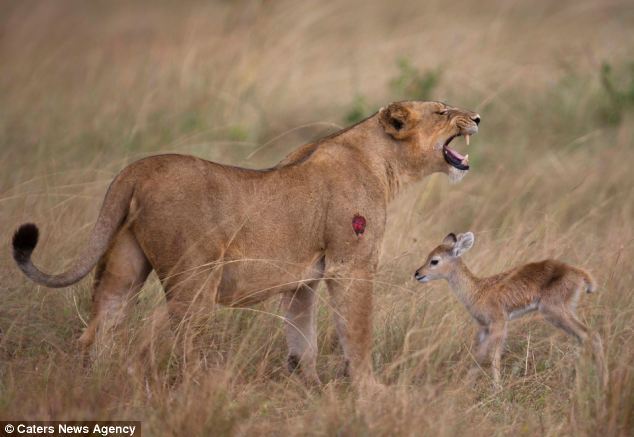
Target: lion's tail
{"type": "Point", "coordinates": [112, 214]}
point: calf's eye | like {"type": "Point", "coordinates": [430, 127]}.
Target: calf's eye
{"type": "Point", "coordinates": [433, 262]}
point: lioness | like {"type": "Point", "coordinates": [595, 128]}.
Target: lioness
{"type": "Point", "coordinates": [216, 233]}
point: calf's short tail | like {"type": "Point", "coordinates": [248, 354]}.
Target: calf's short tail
{"type": "Point", "coordinates": [591, 285]}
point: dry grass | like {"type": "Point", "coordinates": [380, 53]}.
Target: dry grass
{"type": "Point", "coordinates": [86, 87]}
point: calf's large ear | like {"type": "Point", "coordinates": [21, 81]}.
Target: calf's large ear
{"type": "Point", "coordinates": [464, 243]}
{"type": "Point", "coordinates": [398, 121]}
{"type": "Point", "coordinates": [450, 239]}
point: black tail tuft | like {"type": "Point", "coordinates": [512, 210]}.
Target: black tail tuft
{"type": "Point", "coordinates": [24, 241]}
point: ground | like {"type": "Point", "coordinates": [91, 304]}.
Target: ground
{"type": "Point", "coordinates": [86, 88]}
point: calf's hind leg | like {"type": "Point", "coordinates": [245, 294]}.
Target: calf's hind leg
{"type": "Point", "coordinates": [565, 319]}
{"type": "Point", "coordinates": [120, 274]}
{"type": "Point", "coordinates": [562, 318]}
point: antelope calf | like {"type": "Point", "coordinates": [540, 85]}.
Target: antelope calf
{"type": "Point", "coordinates": [550, 287]}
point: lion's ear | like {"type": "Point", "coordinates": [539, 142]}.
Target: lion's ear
{"type": "Point", "coordinates": [398, 120]}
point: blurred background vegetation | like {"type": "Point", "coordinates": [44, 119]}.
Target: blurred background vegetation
{"type": "Point", "coordinates": [87, 87]}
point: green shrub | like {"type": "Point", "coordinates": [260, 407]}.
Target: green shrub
{"type": "Point", "coordinates": [413, 84]}
{"type": "Point", "coordinates": [620, 98]}
{"type": "Point", "coordinates": [359, 110]}
{"type": "Point", "coordinates": [410, 84]}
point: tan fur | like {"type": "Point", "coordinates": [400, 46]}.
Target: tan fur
{"type": "Point", "coordinates": [550, 287]}
{"type": "Point", "coordinates": [216, 233]}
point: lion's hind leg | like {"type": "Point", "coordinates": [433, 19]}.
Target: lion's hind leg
{"type": "Point", "coordinates": [191, 293]}
{"type": "Point", "coordinates": [120, 274]}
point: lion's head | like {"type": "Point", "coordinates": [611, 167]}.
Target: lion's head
{"type": "Point", "coordinates": [424, 131]}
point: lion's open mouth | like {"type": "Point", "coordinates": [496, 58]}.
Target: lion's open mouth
{"type": "Point", "coordinates": [454, 158]}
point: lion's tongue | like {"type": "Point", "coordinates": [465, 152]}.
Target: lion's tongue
{"type": "Point", "coordinates": [455, 154]}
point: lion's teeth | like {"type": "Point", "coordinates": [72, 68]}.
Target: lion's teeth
{"type": "Point", "coordinates": [465, 160]}
{"type": "Point", "coordinates": [466, 139]}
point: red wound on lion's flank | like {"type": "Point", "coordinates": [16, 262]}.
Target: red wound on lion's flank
{"type": "Point", "coordinates": [358, 224]}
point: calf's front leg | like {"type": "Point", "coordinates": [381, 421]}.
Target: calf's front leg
{"type": "Point", "coordinates": [482, 345]}
{"type": "Point", "coordinates": [497, 339]}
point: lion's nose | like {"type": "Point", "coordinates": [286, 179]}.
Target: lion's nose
{"type": "Point", "coordinates": [476, 118]}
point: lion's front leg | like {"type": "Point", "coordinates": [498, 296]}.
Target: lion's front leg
{"type": "Point", "coordinates": [351, 297]}
{"type": "Point", "coordinates": [301, 333]}
{"type": "Point", "coordinates": [356, 222]}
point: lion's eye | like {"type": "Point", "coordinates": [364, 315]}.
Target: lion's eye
{"type": "Point", "coordinates": [442, 112]}
{"type": "Point", "coordinates": [433, 262]}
